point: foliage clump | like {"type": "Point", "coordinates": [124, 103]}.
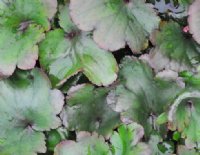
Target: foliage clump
{"type": "Point", "coordinates": [100, 77]}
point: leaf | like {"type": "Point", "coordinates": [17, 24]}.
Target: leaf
{"type": "Point", "coordinates": [126, 141]}
{"type": "Point", "coordinates": [140, 96]}
{"type": "Point", "coordinates": [115, 23]}
{"type": "Point", "coordinates": [191, 79]}
{"type": "Point", "coordinates": [193, 20]}
{"type": "Point", "coordinates": [52, 139]}
{"type": "Point", "coordinates": [155, 141]}
{"type": "Point", "coordinates": [89, 104]}
{"type": "Point", "coordinates": [162, 118]}
{"type": "Point", "coordinates": [64, 53]}
{"type": "Point", "coordinates": [178, 47]}
{"type": "Point", "coordinates": [87, 144]}
{"type": "Point", "coordinates": [21, 30]}
{"type": "Point", "coordinates": [73, 81]}
{"type": "Point", "coordinates": [51, 7]}
{"type": "Point", "coordinates": [13, 13]}
{"type": "Point", "coordinates": [159, 62]}
{"type": "Point", "coordinates": [28, 107]}
{"type": "Point", "coordinates": [183, 150]}
{"type": "Point", "coordinates": [184, 116]}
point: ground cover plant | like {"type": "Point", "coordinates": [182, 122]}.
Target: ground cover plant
{"type": "Point", "coordinates": [99, 77]}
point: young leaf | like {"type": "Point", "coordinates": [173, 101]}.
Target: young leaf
{"type": "Point", "coordinates": [126, 141]}
{"type": "Point", "coordinates": [115, 22]}
{"type": "Point", "coordinates": [28, 107]}
{"type": "Point", "coordinates": [87, 144]}
{"type": "Point", "coordinates": [22, 25]}
{"type": "Point", "coordinates": [87, 110]}
{"type": "Point", "coordinates": [139, 96]}
{"type": "Point", "coordinates": [53, 138]}
{"type": "Point", "coordinates": [64, 53]}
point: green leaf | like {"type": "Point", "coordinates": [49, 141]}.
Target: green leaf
{"type": "Point", "coordinates": [116, 22]}
{"type": "Point", "coordinates": [26, 110]}
{"type": "Point", "coordinates": [162, 119]}
{"type": "Point", "coordinates": [191, 79]}
{"type": "Point", "coordinates": [184, 116]}
{"type": "Point", "coordinates": [15, 12]}
{"type": "Point", "coordinates": [87, 144]}
{"type": "Point", "coordinates": [87, 110]}
{"type": "Point", "coordinates": [140, 96]}
{"type": "Point", "coordinates": [174, 50]}
{"type": "Point", "coordinates": [126, 141]}
{"type": "Point", "coordinates": [64, 53]}
{"type": "Point", "coordinates": [23, 23]}
{"type": "Point", "coordinates": [176, 45]}
{"type": "Point", "coordinates": [176, 136]}
{"type": "Point", "coordinates": [53, 138]}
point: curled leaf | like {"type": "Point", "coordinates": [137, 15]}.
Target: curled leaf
{"type": "Point", "coordinates": [184, 116]}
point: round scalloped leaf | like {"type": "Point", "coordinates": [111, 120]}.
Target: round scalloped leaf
{"type": "Point", "coordinates": [90, 104]}
{"type": "Point", "coordinates": [115, 22]}
{"type": "Point", "coordinates": [194, 20]}
{"type": "Point", "coordinates": [139, 96]}
{"type": "Point", "coordinates": [87, 144]}
{"type": "Point", "coordinates": [28, 107]}
{"type": "Point", "coordinates": [184, 116]}
{"type": "Point", "coordinates": [177, 45]}
{"type": "Point", "coordinates": [126, 141]}
{"type": "Point", "coordinates": [19, 49]}
{"type": "Point", "coordinates": [63, 54]}
{"type": "Point", "coordinates": [21, 30]}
